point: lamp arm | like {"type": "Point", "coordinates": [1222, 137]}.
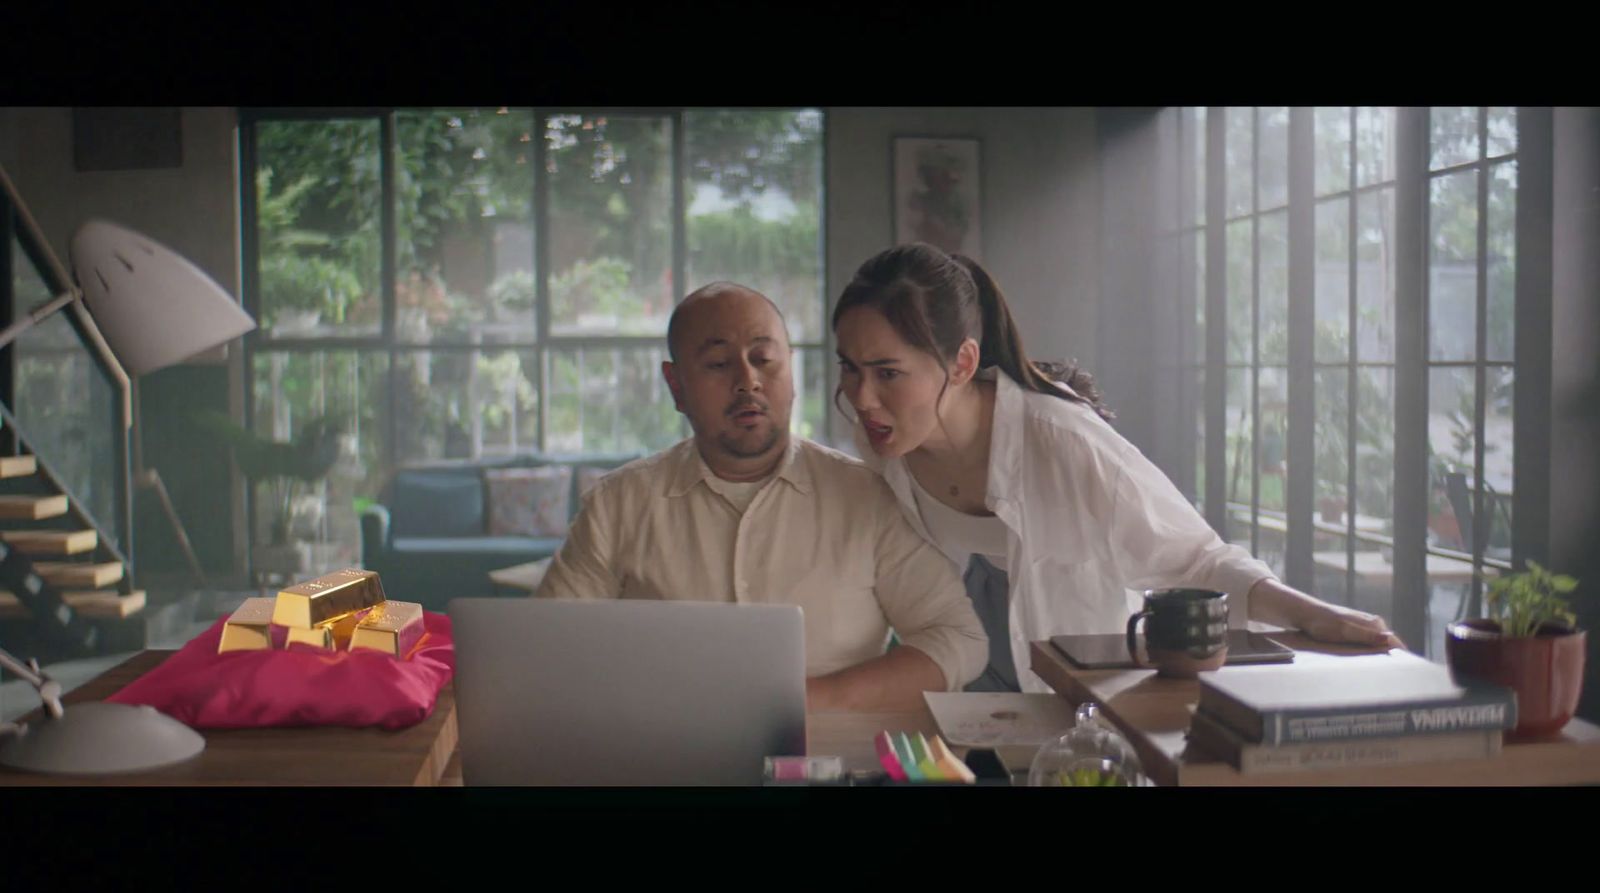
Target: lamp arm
{"type": "Point", "coordinates": [49, 689]}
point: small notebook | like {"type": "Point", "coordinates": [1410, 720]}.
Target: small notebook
{"type": "Point", "coordinates": [1107, 651]}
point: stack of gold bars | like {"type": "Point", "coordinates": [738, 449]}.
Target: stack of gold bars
{"type": "Point", "coordinates": [341, 611]}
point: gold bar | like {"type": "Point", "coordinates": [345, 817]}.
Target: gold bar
{"type": "Point", "coordinates": [392, 627]}
{"type": "Point", "coordinates": [328, 597]}
{"type": "Point", "coordinates": [333, 635]}
{"type": "Point", "coordinates": [249, 628]}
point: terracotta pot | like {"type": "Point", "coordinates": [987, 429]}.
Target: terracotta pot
{"type": "Point", "coordinates": [1545, 670]}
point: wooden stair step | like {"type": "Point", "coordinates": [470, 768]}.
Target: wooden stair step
{"type": "Point", "coordinates": [62, 574]}
{"type": "Point", "coordinates": [17, 466]}
{"type": "Point", "coordinates": [51, 542]}
{"type": "Point", "coordinates": [100, 604]}
{"type": "Point", "coordinates": [32, 508]}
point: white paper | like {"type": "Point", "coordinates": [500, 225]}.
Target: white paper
{"type": "Point", "coordinates": [995, 719]}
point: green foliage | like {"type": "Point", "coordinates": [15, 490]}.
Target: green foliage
{"type": "Point", "coordinates": [514, 291]}
{"type": "Point", "coordinates": [1524, 601]}
{"type": "Point", "coordinates": [307, 458]}
{"type": "Point", "coordinates": [736, 242]}
{"type": "Point", "coordinates": [597, 286]}
{"type": "Point", "coordinates": [463, 178]}
{"type": "Point", "coordinates": [284, 467]}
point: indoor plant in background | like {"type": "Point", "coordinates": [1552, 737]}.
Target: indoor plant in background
{"type": "Point", "coordinates": [286, 468]}
{"type": "Point", "coordinates": [1530, 643]}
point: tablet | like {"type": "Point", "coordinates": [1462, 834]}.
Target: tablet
{"type": "Point", "coordinates": [1110, 650]}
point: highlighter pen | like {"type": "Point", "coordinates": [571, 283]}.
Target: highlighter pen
{"type": "Point", "coordinates": [902, 749]}
{"type": "Point", "coordinates": [951, 765]}
{"type": "Point", "coordinates": [887, 756]}
{"type": "Point", "coordinates": [925, 761]}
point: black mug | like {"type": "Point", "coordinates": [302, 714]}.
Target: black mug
{"type": "Point", "coordinates": [1186, 631]}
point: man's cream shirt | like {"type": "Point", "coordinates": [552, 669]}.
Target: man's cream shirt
{"type": "Point", "coordinates": [824, 532]}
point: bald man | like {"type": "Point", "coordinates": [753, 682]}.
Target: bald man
{"type": "Point", "coordinates": [743, 512]}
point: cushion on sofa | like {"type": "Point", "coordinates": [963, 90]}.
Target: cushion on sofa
{"type": "Point", "coordinates": [529, 501]}
{"type": "Point", "coordinates": [437, 502]}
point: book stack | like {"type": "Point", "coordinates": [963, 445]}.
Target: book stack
{"type": "Point", "coordinates": [1298, 718]}
{"type": "Point", "coordinates": [341, 611]}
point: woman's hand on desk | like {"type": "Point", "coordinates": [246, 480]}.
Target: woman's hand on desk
{"type": "Point", "coordinates": [1272, 601]}
{"type": "Point", "coordinates": [1332, 623]}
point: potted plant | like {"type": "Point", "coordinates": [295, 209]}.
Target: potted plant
{"type": "Point", "coordinates": [1530, 643]}
{"type": "Point", "coordinates": [285, 467]}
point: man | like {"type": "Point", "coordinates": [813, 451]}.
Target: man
{"type": "Point", "coordinates": [742, 512]}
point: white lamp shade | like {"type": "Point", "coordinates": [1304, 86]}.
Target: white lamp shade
{"type": "Point", "coordinates": [154, 307]}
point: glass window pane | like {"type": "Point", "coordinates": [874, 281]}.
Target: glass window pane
{"type": "Point", "coordinates": [1499, 413]}
{"type": "Point", "coordinates": [1274, 160]}
{"type": "Point", "coordinates": [464, 404]}
{"type": "Point", "coordinates": [464, 225]}
{"type": "Point", "coordinates": [1241, 314]}
{"type": "Point", "coordinates": [1331, 285]}
{"type": "Point", "coordinates": [1239, 442]}
{"type": "Point", "coordinates": [1502, 262]}
{"type": "Point", "coordinates": [319, 235]}
{"type": "Point", "coordinates": [1331, 463]}
{"type": "Point", "coordinates": [1374, 434]}
{"type": "Point", "coordinates": [1450, 447]}
{"type": "Point", "coordinates": [1375, 256]}
{"type": "Point", "coordinates": [1273, 458]}
{"type": "Point", "coordinates": [610, 224]}
{"type": "Point", "coordinates": [1195, 132]}
{"type": "Point", "coordinates": [1332, 147]}
{"type": "Point", "coordinates": [610, 400]}
{"type": "Point", "coordinates": [1329, 563]}
{"type": "Point", "coordinates": [328, 404]}
{"type": "Point", "coordinates": [1274, 311]}
{"type": "Point", "coordinates": [1197, 249]}
{"type": "Point", "coordinates": [811, 394]}
{"type": "Point", "coordinates": [1453, 267]}
{"type": "Point", "coordinates": [1239, 151]}
{"type": "Point", "coordinates": [1197, 386]}
{"type": "Point", "coordinates": [754, 217]}
{"type": "Point", "coordinates": [1454, 135]}
{"type": "Point", "coordinates": [1374, 136]}
{"type": "Point", "coordinates": [1502, 130]}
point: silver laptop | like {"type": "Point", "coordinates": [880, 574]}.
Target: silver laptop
{"type": "Point", "coordinates": [626, 691]}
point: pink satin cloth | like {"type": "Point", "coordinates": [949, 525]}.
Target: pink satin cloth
{"type": "Point", "coordinates": [300, 685]}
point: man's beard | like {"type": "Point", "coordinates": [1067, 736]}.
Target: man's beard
{"type": "Point", "coordinates": [733, 447]}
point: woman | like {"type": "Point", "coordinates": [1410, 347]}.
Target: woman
{"type": "Point", "coordinates": [1012, 462]}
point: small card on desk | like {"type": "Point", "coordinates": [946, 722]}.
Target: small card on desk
{"type": "Point", "coordinates": [1017, 723]}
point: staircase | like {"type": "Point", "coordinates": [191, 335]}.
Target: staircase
{"type": "Point", "coordinates": [64, 590]}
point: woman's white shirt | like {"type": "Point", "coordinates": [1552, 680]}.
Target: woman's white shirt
{"type": "Point", "coordinates": [1091, 523]}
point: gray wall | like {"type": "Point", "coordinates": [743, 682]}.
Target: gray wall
{"type": "Point", "coordinates": [1040, 207]}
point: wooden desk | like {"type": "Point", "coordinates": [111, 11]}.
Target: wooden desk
{"type": "Point", "coordinates": [425, 754]}
{"type": "Point", "coordinates": [320, 756]}
{"type": "Point", "coordinates": [1154, 713]}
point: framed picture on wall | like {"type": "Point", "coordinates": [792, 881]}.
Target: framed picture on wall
{"type": "Point", "coordinates": [937, 193]}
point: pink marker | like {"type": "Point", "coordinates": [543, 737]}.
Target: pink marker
{"type": "Point", "coordinates": [887, 756]}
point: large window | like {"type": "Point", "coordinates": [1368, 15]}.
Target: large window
{"type": "Point", "coordinates": [1300, 207]}
{"type": "Point", "coordinates": [463, 283]}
